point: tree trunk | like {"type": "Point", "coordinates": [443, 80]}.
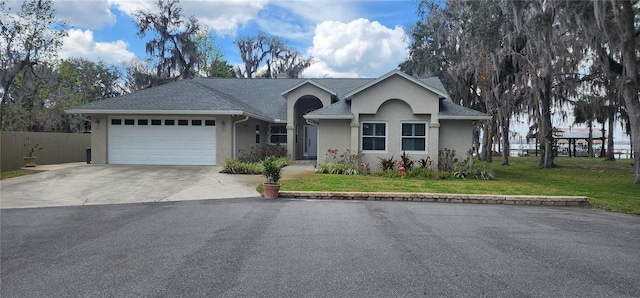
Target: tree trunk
{"type": "Point", "coordinates": [630, 80]}
{"type": "Point", "coordinates": [505, 141]}
{"type": "Point", "coordinates": [489, 148]}
{"type": "Point", "coordinates": [602, 147]}
{"type": "Point", "coordinates": [485, 133]}
{"type": "Point", "coordinates": [476, 139]}
{"type": "Point", "coordinates": [609, 153]}
{"type": "Point", "coordinates": [546, 128]}
{"type": "Point", "coordinates": [590, 139]}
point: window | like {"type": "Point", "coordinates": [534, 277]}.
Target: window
{"type": "Point", "coordinates": [116, 121]}
{"type": "Point", "coordinates": [143, 122]}
{"type": "Point", "coordinates": [209, 122]}
{"type": "Point", "coordinates": [278, 134]}
{"type": "Point", "coordinates": [129, 122]}
{"type": "Point", "coordinates": [183, 122]}
{"type": "Point", "coordinates": [374, 136]}
{"type": "Point", "coordinates": [156, 122]}
{"type": "Point", "coordinates": [196, 122]}
{"type": "Point", "coordinates": [414, 136]}
{"type": "Point", "coordinates": [169, 122]}
{"type": "Point", "coordinates": [257, 133]}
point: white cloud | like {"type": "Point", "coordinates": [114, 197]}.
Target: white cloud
{"type": "Point", "coordinates": [80, 44]}
{"type": "Point", "coordinates": [360, 48]}
{"type": "Point", "coordinates": [223, 17]}
{"type": "Point", "coordinates": [86, 14]}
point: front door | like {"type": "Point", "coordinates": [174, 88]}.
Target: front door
{"type": "Point", "coordinates": [310, 149]}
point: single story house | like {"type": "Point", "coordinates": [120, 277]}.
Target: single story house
{"type": "Point", "coordinates": [205, 121]}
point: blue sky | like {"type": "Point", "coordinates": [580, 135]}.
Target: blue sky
{"type": "Point", "coordinates": [347, 38]}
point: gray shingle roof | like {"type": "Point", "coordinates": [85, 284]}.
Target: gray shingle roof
{"type": "Point", "coordinates": [448, 109]}
{"type": "Point", "coordinates": [259, 97]}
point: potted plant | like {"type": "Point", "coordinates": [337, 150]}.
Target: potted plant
{"type": "Point", "coordinates": [273, 173]}
{"type": "Point", "coordinates": [30, 153]}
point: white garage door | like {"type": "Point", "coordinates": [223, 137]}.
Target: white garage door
{"type": "Point", "coordinates": [162, 141]}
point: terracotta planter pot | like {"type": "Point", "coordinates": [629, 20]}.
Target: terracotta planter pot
{"type": "Point", "coordinates": [271, 190]}
{"type": "Point", "coordinates": [29, 161]}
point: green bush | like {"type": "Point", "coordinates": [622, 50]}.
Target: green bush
{"type": "Point", "coordinates": [343, 164]}
{"type": "Point", "coordinates": [337, 168]}
{"type": "Point", "coordinates": [233, 166]}
{"type": "Point", "coordinates": [271, 170]}
{"type": "Point", "coordinates": [477, 173]}
{"type": "Point", "coordinates": [406, 161]}
{"type": "Point", "coordinates": [420, 173]}
{"type": "Point", "coordinates": [444, 175]}
{"type": "Point", "coordinates": [387, 163]}
{"type": "Point", "coordinates": [260, 153]}
{"type": "Point", "coordinates": [282, 162]}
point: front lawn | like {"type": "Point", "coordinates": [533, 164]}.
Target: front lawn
{"type": "Point", "coordinates": [609, 185]}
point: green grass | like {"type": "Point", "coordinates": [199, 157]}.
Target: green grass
{"type": "Point", "coordinates": [609, 185]}
{"type": "Point", "coordinates": [17, 173]}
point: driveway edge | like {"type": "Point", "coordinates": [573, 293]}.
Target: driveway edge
{"type": "Point", "coordinates": [562, 201]}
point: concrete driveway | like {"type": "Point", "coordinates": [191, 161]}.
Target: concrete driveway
{"type": "Point", "coordinates": [82, 184]}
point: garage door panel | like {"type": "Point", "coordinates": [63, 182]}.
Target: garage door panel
{"type": "Point", "coordinates": [162, 144]}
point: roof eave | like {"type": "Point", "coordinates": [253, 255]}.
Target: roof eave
{"type": "Point", "coordinates": [328, 117]}
{"type": "Point", "coordinates": [168, 112]}
{"type": "Point", "coordinates": [449, 117]}
{"type": "Point", "coordinates": [155, 112]}
{"type": "Point", "coordinates": [308, 81]}
{"type": "Point", "coordinates": [350, 94]}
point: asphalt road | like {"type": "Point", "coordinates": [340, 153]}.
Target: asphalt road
{"type": "Point", "coordinates": [257, 248]}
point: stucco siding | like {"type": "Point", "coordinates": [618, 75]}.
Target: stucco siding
{"type": "Point", "coordinates": [333, 134]}
{"type": "Point", "coordinates": [456, 135]}
{"type": "Point", "coordinates": [395, 112]}
{"type": "Point", "coordinates": [246, 136]}
{"type": "Point", "coordinates": [99, 129]}
{"type": "Point", "coordinates": [421, 100]}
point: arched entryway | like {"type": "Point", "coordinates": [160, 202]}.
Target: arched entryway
{"type": "Point", "coordinates": [306, 134]}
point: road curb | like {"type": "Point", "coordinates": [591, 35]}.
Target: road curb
{"type": "Point", "coordinates": [561, 201]}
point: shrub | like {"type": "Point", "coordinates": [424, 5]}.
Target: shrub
{"type": "Point", "coordinates": [425, 162]}
{"type": "Point", "coordinates": [420, 173]}
{"type": "Point", "coordinates": [260, 153]}
{"type": "Point", "coordinates": [472, 173]}
{"type": "Point", "coordinates": [444, 175]}
{"type": "Point", "coordinates": [271, 170]}
{"type": "Point", "coordinates": [337, 168]}
{"type": "Point", "coordinates": [346, 164]}
{"type": "Point", "coordinates": [233, 166]}
{"type": "Point", "coordinates": [450, 167]}
{"type": "Point", "coordinates": [447, 160]}
{"type": "Point", "coordinates": [387, 163]}
{"type": "Point", "coordinates": [405, 161]}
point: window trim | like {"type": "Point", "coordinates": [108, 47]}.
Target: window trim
{"type": "Point", "coordinates": [426, 136]}
{"type": "Point", "coordinates": [271, 134]}
{"type": "Point", "coordinates": [257, 133]}
{"type": "Point", "coordinates": [386, 136]}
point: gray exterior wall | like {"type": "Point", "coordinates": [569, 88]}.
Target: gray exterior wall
{"type": "Point", "coordinates": [99, 133]}
{"type": "Point", "coordinates": [395, 100]}
{"type": "Point", "coordinates": [456, 135]}
{"type": "Point", "coordinates": [333, 134]}
{"type": "Point", "coordinates": [296, 121]}
{"type": "Point", "coordinates": [394, 112]}
{"type": "Point", "coordinates": [246, 136]}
